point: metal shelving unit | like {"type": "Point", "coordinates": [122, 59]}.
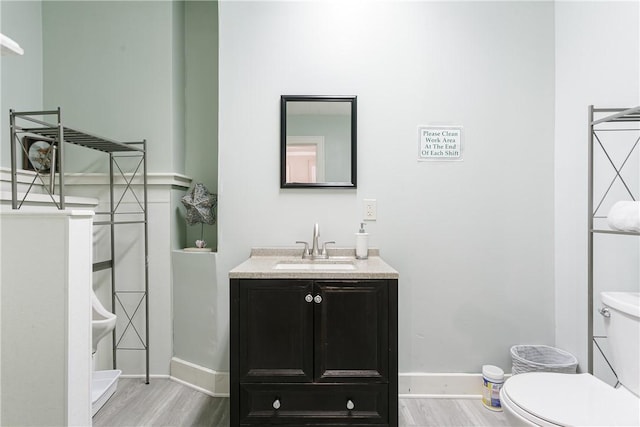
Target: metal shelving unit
{"type": "Point", "coordinates": [127, 163]}
{"type": "Point", "coordinates": [624, 122]}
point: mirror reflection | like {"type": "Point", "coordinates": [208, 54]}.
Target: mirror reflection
{"type": "Point", "coordinates": [318, 141]}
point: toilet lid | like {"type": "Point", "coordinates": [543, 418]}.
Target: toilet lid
{"type": "Point", "coordinates": [573, 400]}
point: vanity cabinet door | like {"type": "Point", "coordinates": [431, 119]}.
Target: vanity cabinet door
{"type": "Point", "coordinates": [275, 331]}
{"type": "Point", "coordinates": [352, 331]}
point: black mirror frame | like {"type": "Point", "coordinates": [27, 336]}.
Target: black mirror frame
{"type": "Point", "coordinates": [283, 140]}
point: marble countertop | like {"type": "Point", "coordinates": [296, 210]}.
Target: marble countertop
{"type": "Point", "coordinates": [262, 263]}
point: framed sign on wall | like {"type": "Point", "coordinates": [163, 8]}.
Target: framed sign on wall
{"type": "Point", "coordinates": [439, 143]}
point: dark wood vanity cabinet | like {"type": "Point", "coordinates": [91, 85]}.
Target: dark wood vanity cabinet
{"type": "Point", "coordinates": [314, 352]}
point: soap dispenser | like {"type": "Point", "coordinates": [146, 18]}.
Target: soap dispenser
{"type": "Point", "coordinates": [362, 243]}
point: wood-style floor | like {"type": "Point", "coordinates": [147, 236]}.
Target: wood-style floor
{"type": "Point", "coordinates": [163, 402]}
{"type": "Point", "coordinates": [447, 413]}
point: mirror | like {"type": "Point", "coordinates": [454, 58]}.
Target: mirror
{"type": "Point", "coordinates": [317, 141]}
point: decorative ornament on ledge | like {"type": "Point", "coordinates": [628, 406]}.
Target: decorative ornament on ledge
{"type": "Point", "coordinates": [200, 204]}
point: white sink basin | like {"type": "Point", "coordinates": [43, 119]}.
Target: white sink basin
{"type": "Point", "coordinates": [311, 265]}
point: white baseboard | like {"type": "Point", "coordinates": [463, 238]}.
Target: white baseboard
{"type": "Point", "coordinates": [205, 380]}
{"type": "Point", "coordinates": [410, 385]}
{"type": "Point", "coordinates": [440, 386]}
{"type": "Point", "coordinates": [151, 377]}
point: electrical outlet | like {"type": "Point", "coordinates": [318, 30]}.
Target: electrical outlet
{"type": "Point", "coordinates": [370, 210]}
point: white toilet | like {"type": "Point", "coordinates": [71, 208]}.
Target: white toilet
{"type": "Point", "coordinates": [103, 383]}
{"type": "Point", "coordinates": [551, 399]}
{"type": "Point", "coordinates": [102, 322]}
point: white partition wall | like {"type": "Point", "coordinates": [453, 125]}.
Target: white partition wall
{"type": "Point", "coordinates": [164, 192]}
{"type": "Point", "coordinates": [45, 350]}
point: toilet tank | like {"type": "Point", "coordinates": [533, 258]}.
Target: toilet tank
{"type": "Point", "coordinates": [623, 330]}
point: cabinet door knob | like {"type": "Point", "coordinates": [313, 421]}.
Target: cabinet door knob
{"type": "Point", "coordinates": [317, 299]}
{"type": "Point", "coordinates": [308, 298]}
{"type": "Point", "coordinates": [276, 404]}
{"type": "Point", "coordinates": [350, 404]}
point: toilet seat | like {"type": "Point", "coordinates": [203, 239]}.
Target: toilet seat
{"type": "Point", "coordinates": [552, 399]}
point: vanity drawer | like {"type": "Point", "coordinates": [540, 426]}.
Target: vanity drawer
{"type": "Point", "coordinates": [302, 404]}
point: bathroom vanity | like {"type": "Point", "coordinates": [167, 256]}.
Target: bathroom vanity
{"type": "Point", "coordinates": [313, 342]}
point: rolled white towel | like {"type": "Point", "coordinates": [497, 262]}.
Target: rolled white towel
{"type": "Point", "coordinates": [625, 216]}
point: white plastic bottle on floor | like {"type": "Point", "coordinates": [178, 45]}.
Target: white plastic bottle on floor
{"type": "Point", "coordinates": [492, 380]}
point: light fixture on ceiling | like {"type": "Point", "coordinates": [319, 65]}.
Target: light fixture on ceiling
{"type": "Point", "coordinates": [9, 47]}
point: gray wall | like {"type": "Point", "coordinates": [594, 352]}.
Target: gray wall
{"type": "Point", "coordinates": [472, 240]}
{"type": "Point", "coordinates": [201, 103]}
{"type": "Point", "coordinates": [116, 70]}
{"type": "Point", "coordinates": [21, 84]}
{"type": "Point", "coordinates": [598, 63]}
{"type": "Point", "coordinates": [124, 70]}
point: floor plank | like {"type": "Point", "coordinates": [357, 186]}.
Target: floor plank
{"type": "Point", "coordinates": [447, 413]}
{"type": "Point", "coordinates": [163, 402]}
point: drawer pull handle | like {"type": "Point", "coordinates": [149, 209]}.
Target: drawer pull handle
{"type": "Point", "coordinates": [350, 404]}
{"type": "Point", "coordinates": [276, 404]}
{"type": "Point", "coordinates": [317, 299]}
{"type": "Point", "coordinates": [308, 298]}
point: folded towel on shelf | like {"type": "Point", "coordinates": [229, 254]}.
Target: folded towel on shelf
{"type": "Point", "coordinates": [625, 216]}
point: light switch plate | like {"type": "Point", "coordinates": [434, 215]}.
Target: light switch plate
{"type": "Point", "coordinates": [370, 210]}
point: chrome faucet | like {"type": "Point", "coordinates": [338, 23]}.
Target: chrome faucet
{"type": "Point", "coordinates": [314, 252]}
{"type": "Point", "coordinates": [314, 248]}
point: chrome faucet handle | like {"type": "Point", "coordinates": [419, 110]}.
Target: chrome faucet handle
{"type": "Point", "coordinates": [324, 247]}
{"type": "Point", "coordinates": [305, 251]}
